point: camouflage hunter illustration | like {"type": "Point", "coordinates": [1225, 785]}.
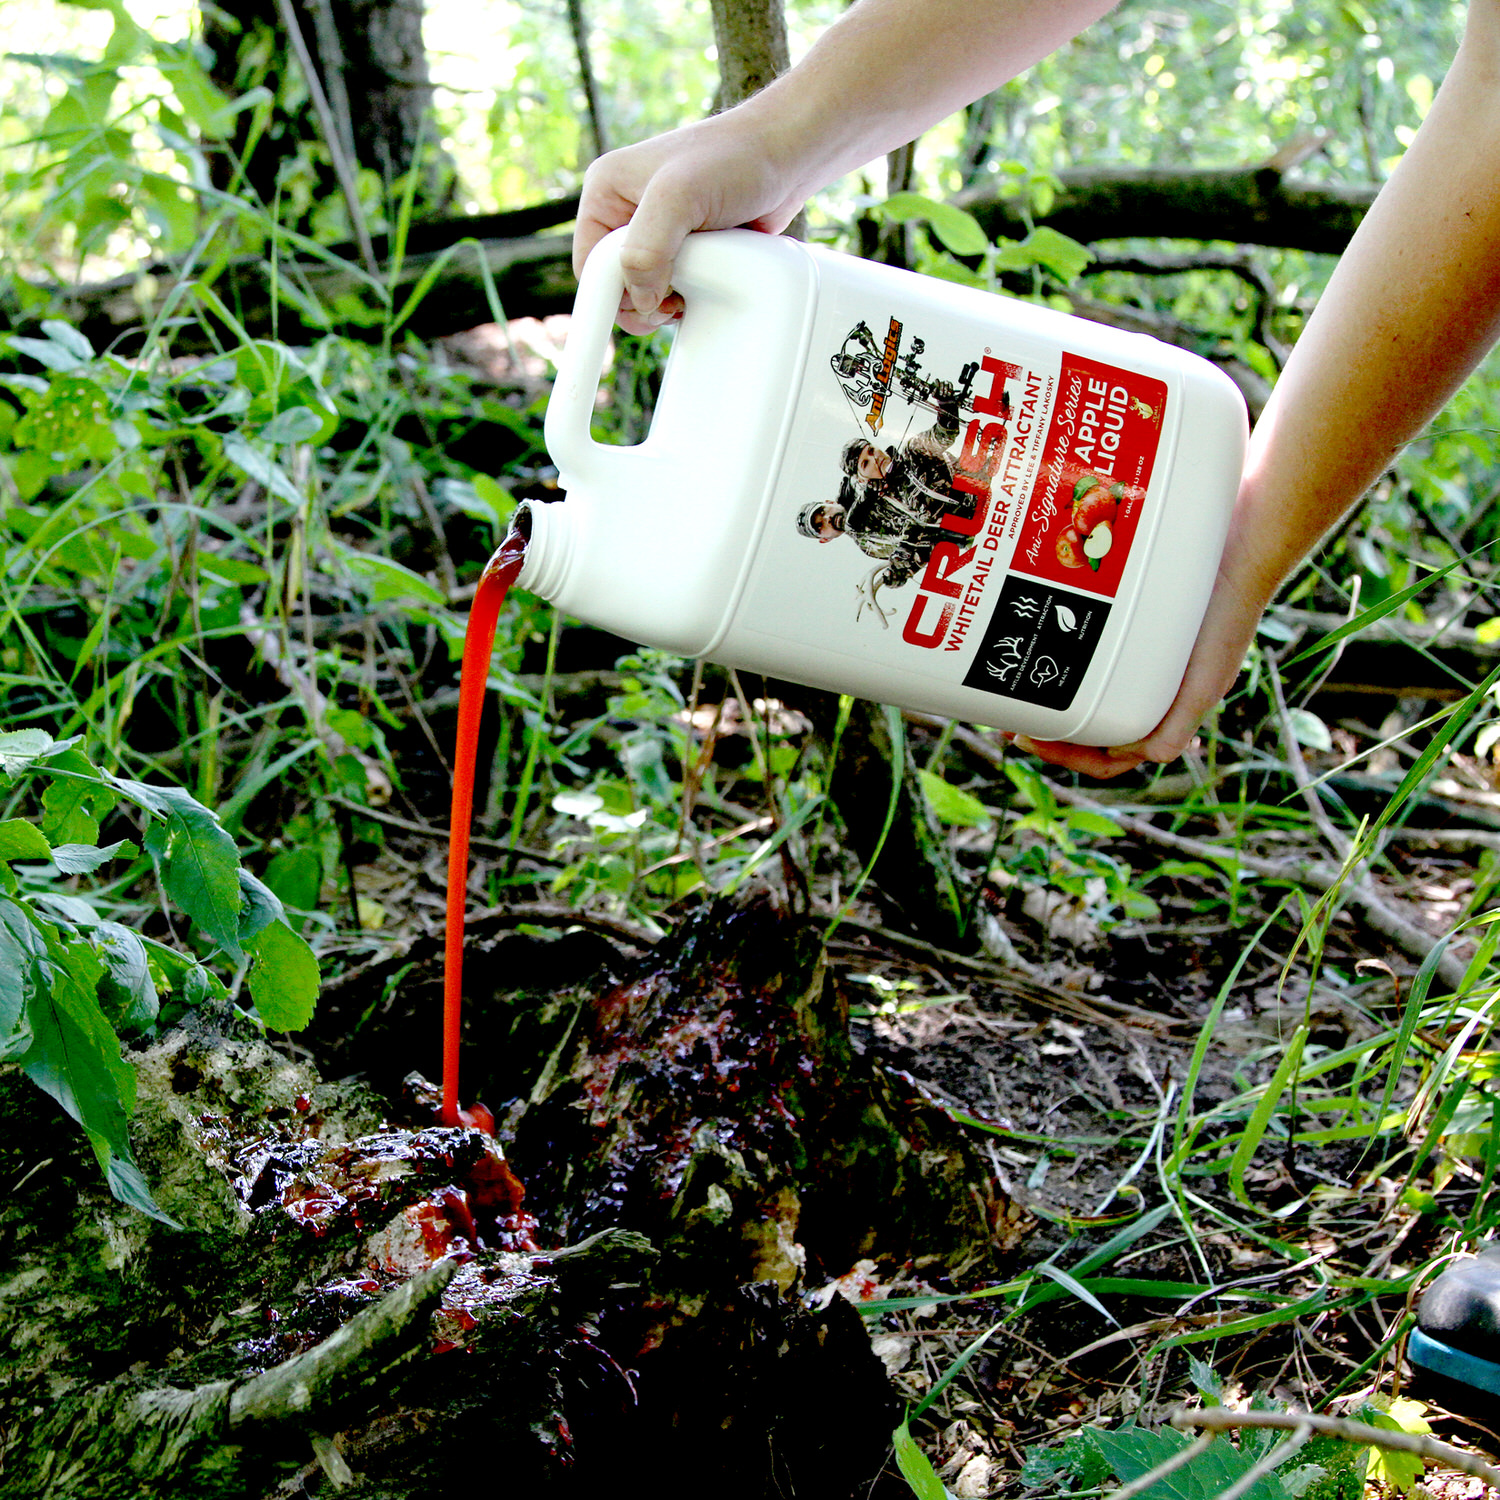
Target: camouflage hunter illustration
{"type": "Point", "coordinates": [1031, 475]}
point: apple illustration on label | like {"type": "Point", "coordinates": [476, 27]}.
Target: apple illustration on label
{"type": "Point", "coordinates": [1095, 507]}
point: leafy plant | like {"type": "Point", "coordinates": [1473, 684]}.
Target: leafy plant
{"type": "Point", "coordinates": [75, 984]}
{"type": "Point", "coordinates": [1044, 252]}
{"type": "Point", "coordinates": [1326, 1467]}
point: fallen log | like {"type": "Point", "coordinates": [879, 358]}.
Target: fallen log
{"type": "Point", "coordinates": [1258, 205]}
{"type": "Point", "coordinates": [362, 1300]}
{"type": "Point", "coordinates": [531, 277]}
{"type": "Point", "coordinates": [533, 274]}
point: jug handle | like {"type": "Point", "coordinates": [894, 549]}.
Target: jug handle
{"type": "Point", "coordinates": [570, 409]}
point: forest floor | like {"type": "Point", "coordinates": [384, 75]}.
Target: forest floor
{"type": "Point", "coordinates": [1067, 1056]}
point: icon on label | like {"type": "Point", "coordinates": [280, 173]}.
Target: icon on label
{"type": "Point", "coordinates": [1039, 643]}
{"type": "Point", "coordinates": [1007, 654]}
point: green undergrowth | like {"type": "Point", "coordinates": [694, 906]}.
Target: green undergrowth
{"type": "Point", "coordinates": [234, 573]}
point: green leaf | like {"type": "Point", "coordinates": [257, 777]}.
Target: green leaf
{"type": "Point", "coordinates": [1071, 1284]}
{"type": "Point", "coordinates": [20, 748]}
{"type": "Point", "coordinates": [69, 337]}
{"type": "Point", "coordinates": [1206, 1380]}
{"type": "Point", "coordinates": [284, 979]}
{"type": "Point", "coordinates": [127, 993]}
{"type": "Point", "coordinates": [296, 876]}
{"type": "Point", "coordinates": [1085, 820]}
{"type": "Point", "coordinates": [197, 861]}
{"type": "Point", "coordinates": [1063, 256]}
{"type": "Point", "coordinates": [1077, 1458]}
{"type": "Point", "coordinates": [1386, 606]}
{"type": "Point", "coordinates": [75, 1056]}
{"type": "Point", "coordinates": [1309, 729]}
{"type": "Point", "coordinates": [1132, 1452]}
{"type": "Point", "coordinates": [951, 804]}
{"type": "Point", "coordinates": [197, 94]}
{"type": "Point", "coordinates": [22, 839]}
{"type": "Point", "coordinates": [45, 352]}
{"type": "Point", "coordinates": [1260, 1117]}
{"type": "Point", "coordinates": [958, 231]}
{"type": "Point", "coordinates": [262, 907]}
{"type": "Point", "coordinates": [75, 799]}
{"type": "Point", "coordinates": [266, 472]}
{"type": "Point", "coordinates": [84, 859]}
{"type": "Point", "coordinates": [915, 1468]}
{"type": "Point", "coordinates": [1399, 1470]}
{"type": "Point", "coordinates": [22, 952]}
{"type": "Point", "coordinates": [389, 582]}
{"type": "Point", "coordinates": [297, 424]}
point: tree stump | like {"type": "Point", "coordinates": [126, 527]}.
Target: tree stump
{"type": "Point", "coordinates": [360, 1302]}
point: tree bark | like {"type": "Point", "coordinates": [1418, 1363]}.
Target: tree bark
{"type": "Point", "coordinates": [751, 40]}
{"type": "Point", "coordinates": [371, 65]}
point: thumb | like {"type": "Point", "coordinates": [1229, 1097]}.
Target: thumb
{"type": "Point", "coordinates": [662, 221]}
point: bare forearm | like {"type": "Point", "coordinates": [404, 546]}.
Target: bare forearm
{"type": "Point", "coordinates": [889, 69]}
{"type": "Point", "coordinates": [877, 78]}
{"type": "Point", "coordinates": [1413, 306]}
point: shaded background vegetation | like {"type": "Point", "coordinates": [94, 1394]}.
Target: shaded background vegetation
{"type": "Point", "coordinates": [273, 384]}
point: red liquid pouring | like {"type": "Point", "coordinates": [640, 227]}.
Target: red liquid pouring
{"type": "Point", "coordinates": [479, 643]}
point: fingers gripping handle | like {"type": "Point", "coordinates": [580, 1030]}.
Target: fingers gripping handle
{"type": "Point", "coordinates": [571, 406]}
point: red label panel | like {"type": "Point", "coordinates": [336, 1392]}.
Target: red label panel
{"type": "Point", "coordinates": [1091, 485]}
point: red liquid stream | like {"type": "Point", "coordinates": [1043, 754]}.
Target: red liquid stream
{"type": "Point", "coordinates": [479, 643]}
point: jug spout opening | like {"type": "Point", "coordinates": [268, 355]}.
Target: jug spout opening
{"type": "Point", "coordinates": [549, 546]}
{"type": "Point", "coordinates": [520, 525]}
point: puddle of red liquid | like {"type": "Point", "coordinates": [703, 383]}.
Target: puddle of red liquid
{"type": "Point", "coordinates": [479, 642]}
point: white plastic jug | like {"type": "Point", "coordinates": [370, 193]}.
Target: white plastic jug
{"type": "Point", "coordinates": [884, 484]}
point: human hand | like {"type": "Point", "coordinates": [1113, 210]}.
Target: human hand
{"type": "Point", "coordinates": [1228, 628]}
{"type": "Point", "coordinates": [719, 173]}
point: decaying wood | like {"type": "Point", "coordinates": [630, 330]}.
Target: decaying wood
{"type": "Point", "coordinates": [725, 1068]}
{"type": "Point", "coordinates": [362, 1305]}
{"type": "Point", "coordinates": [302, 1315]}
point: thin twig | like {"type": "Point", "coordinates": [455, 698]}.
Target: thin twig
{"type": "Point", "coordinates": [1270, 1461]}
{"type": "Point", "coordinates": [1099, 1009]}
{"type": "Point", "coordinates": [329, 125]}
{"type": "Point", "coordinates": [1316, 874]}
{"type": "Point", "coordinates": [1178, 1460]}
{"type": "Point", "coordinates": [578, 23]}
{"type": "Point", "coordinates": [1216, 1419]}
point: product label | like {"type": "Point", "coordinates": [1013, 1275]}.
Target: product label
{"type": "Point", "coordinates": [1038, 643]}
{"type": "Point", "coordinates": [959, 497]}
{"type": "Point", "coordinates": [1095, 468]}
